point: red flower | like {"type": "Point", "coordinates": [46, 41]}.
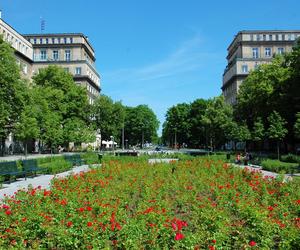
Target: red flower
{"type": "Point", "coordinates": [270, 208]}
{"type": "Point", "coordinates": [298, 202]}
{"type": "Point", "coordinates": [179, 236]}
{"type": "Point", "coordinates": [24, 219]}
{"type": "Point", "coordinates": [211, 247]}
{"type": "Point", "coordinates": [214, 241]}
{"type": "Point", "coordinates": [89, 224]}
{"type": "Point", "coordinates": [8, 212]}
{"type": "Point", "coordinates": [69, 224]}
{"type": "Point", "coordinates": [89, 209]}
{"type": "Point", "coordinates": [252, 243]}
{"type": "Point", "coordinates": [64, 202]}
{"type": "Point", "coordinates": [81, 209]}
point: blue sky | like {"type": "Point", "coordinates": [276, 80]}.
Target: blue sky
{"type": "Point", "coordinates": [155, 52]}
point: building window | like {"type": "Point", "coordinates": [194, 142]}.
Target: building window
{"type": "Point", "coordinates": [283, 37]}
{"type": "Point", "coordinates": [68, 55]}
{"type": "Point", "coordinates": [78, 71]}
{"type": "Point", "coordinates": [53, 40]}
{"type": "Point", "coordinates": [256, 65]}
{"type": "Point", "coordinates": [65, 40]}
{"type": "Point", "coordinates": [25, 69]}
{"type": "Point", "coordinates": [71, 39]}
{"type": "Point", "coordinates": [43, 55]}
{"type": "Point", "coordinates": [58, 40]}
{"type": "Point", "coordinates": [251, 37]}
{"type": "Point", "coordinates": [264, 37]}
{"type": "Point", "coordinates": [280, 51]}
{"type": "Point", "coordinates": [55, 55]}
{"type": "Point", "coordinates": [268, 52]}
{"type": "Point", "coordinates": [47, 40]}
{"type": "Point", "coordinates": [258, 37]}
{"type": "Point", "coordinates": [245, 68]}
{"type": "Point", "coordinates": [292, 36]}
{"type": "Point", "coordinates": [270, 37]}
{"type": "Point", "coordinates": [255, 52]}
{"type": "Point", "coordinates": [277, 37]}
{"type": "Point", "coordinates": [41, 40]}
{"type": "Point", "coordinates": [34, 40]}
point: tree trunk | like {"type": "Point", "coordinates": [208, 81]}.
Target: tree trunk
{"type": "Point", "coordinates": [2, 146]}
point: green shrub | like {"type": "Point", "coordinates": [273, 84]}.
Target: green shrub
{"type": "Point", "coordinates": [55, 164]}
{"type": "Point", "coordinates": [290, 158]}
{"type": "Point", "coordinates": [278, 166]}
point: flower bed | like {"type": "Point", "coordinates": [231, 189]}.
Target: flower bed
{"type": "Point", "coordinates": [198, 204]}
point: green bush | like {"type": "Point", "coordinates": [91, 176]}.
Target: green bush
{"type": "Point", "coordinates": [55, 164]}
{"type": "Point", "coordinates": [291, 158]}
{"type": "Point", "coordinates": [278, 166]}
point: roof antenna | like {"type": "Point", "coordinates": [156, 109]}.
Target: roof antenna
{"type": "Point", "coordinates": [43, 24]}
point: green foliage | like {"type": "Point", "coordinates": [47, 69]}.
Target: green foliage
{"type": "Point", "coordinates": [297, 125]}
{"type": "Point", "coordinates": [54, 165]}
{"type": "Point", "coordinates": [290, 158]}
{"type": "Point", "coordinates": [276, 128]}
{"type": "Point", "coordinates": [141, 124]}
{"type": "Point", "coordinates": [258, 132]}
{"type": "Point", "coordinates": [109, 117]}
{"type": "Point", "coordinates": [278, 166]}
{"type": "Point", "coordinates": [61, 108]}
{"type": "Point", "coordinates": [11, 90]}
{"type": "Point", "coordinates": [177, 124]}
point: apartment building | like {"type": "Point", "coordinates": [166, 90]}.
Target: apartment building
{"type": "Point", "coordinates": [72, 51]}
{"type": "Point", "coordinates": [23, 48]}
{"type": "Point", "coordinates": [248, 50]}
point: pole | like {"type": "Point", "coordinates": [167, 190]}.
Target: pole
{"type": "Point", "coordinates": [175, 140]}
{"type": "Point", "coordinates": [123, 138]}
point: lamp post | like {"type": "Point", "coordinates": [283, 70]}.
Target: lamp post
{"type": "Point", "coordinates": [113, 144]}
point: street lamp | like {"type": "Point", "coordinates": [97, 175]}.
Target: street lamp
{"type": "Point", "coordinates": [113, 144]}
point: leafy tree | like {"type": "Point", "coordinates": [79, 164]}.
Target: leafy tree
{"type": "Point", "coordinates": [258, 94]}
{"type": "Point", "coordinates": [297, 125]}
{"type": "Point", "coordinates": [237, 132]}
{"type": "Point", "coordinates": [277, 130]}
{"type": "Point", "coordinates": [11, 92]}
{"type": "Point", "coordinates": [109, 117]}
{"type": "Point", "coordinates": [67, 101]}
{"type": "Point", "coordinates": [141, 125]}
{"type": "Point", "coordinates": [216, 119]}
{"type": "Point", "coordinates": [177, 125]}
{"type": "Point", "coordinates": [197, 129]}
{"type": "Point", "coordinates": [258, 131]}
{"type": "Point", "coordinates": [27, 127]}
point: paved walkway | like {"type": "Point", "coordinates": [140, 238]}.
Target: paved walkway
{"type": "Point", "coordinates": [266, 173]}
{"type": "Point", "coordinates": [41, 180]}
{"type": "Point", "coordinates": [30, 156]}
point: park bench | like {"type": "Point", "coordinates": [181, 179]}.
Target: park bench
{"type": "Point", "coordinates": [10, 168]}
{"type": "Point", "coordinates": [128, 153]}
{"type": "Point", "coordinates": [31, 166]}
{"type": "Point", "coordinates": [75, 159]}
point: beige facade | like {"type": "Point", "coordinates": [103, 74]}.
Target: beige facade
{"type": "Point", "coordinates": [250, 49]}
{"type": "Point", "coordinates": [72, 51]}
{"type": "Point", "coordinates": [23, 48]}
